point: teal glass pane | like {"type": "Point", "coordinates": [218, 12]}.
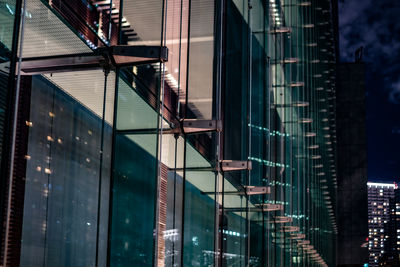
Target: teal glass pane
{"type": "Point", "coordinates": [134, 191]}
{"type": "Point", "coordinates": [234, 232]}
{"type": "Point", "coordinates": [7, 11]}
{"type": "Point", "coordinates": [133, 111]}
{"type": "Point", "coordinates": [199, 225]}
{"type": "Point", "coordinates": [134, 177]}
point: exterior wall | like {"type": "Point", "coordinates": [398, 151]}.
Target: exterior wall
{"type": "Point", "coordinates": [352, 164]}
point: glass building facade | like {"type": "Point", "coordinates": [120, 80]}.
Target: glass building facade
{"type": "Point", "coordinates": [167, 133]}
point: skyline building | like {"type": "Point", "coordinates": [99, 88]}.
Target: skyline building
{"type": "Point", "coordinates": [168, 133]}
{"type": "Point", "coordinates": [380, 195]}
{"type": "Point", "coordinates": [391, 255]}
{"type": "Point", "coordinates": [352, 164]}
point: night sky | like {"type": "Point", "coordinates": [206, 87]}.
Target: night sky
{"type": "Point", "coordinates": [376, 26]}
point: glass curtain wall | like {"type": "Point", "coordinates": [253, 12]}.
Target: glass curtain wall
{"type": "Point", "coordinates": [303, 92]}
{"type": "Point", "coordinates": [57, 213]}
{"type": "Point", "coordinates": [160, 164]}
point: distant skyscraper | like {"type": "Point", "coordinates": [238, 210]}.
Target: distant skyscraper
{"type": "Point", "coordinates": [352, 164]}
{"type": "Point", "coordinates": [379, 197]}
{"type": "Point", "coordinates": [392, 233]}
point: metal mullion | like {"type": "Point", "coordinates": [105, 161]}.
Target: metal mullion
{"type": "Point", "coordinates": [113, 142]}
{"type": "Point", "coordinates": [5, 157]}
{"type": "Point", "coordinates": [160, 111]}
{"type": "Point", "coordinates": [185, 111]}
{"type": "Point", "coordinates": [249, 111]}
{"type": "Point", "coordinates": [9, 120]}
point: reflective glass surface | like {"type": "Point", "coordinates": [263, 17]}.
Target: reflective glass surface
{"type": "Point", "coordinates": [222, 155]}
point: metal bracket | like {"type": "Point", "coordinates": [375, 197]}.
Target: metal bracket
{"type": "Point", "coordinates": [129, 55]}
{"type": "Point", "coordinates": [240, 209]}
{"type": "Point", "coordinates": [289, 229]}
{"type": "Point", "coordinates": [280, 30]}
{"type": "Point", "coordinates": [104, 57]}
{"type": "Point", "coordinates": [249, 190]}
{"type": "Point", "coordinates": [235, 165]}
{"type": "Point", "coordinates": [271, 207]}
{"type": "Point", "coordinates": [298, 237]}
{"type": "Point", "coordinates": [286, 61]}
{"type": "Point", "coordinates": [259, 208]}
{"type": "Point", "coordinates": [303, 242]}
{"type": "Point", "coordinates": [200, 126]}
{"type": "Point", "coordinates": [257, 190]}
{"type": "Point", "coordinates": [282, 219]}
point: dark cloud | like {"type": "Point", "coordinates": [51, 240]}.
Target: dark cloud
{"type": "Point", "coordinates": [376, 26]}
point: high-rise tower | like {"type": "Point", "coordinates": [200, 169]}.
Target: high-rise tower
{"type": "Point", "coordinates": [379, 197]}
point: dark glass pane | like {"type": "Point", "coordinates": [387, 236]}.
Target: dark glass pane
{"type": "Point", "coordinates": [64, 213]}
{"type": "Point", "coordinates": [199, 225]}
{"type": "Point", "coordinates": [7, 15]}
{"type": "Point", "coordinates": [134, 192]}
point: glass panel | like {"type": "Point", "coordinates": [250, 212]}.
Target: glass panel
{"type": "Point", "coordinates": [234, 232]}
{"type": "Point", "coordinates": [177, 42]}
{"type": "Point", "coordinates": [234, 226]}
{"type": "Point", "coordinates": [7, 11]}
{"type": "Point", "coordinates": [145, 19]}
{"type": "Point", "coordinates": [134, 192]}
{"type": "Point", "coordinates": [7, 15]}
{"type": "Point", "coordinates": [135, 173]}
{"type": "Point", "coordinates": [173, 230]}
{"type": "Point", "coordinates": [201, 60]}
{"type": "Point", "coordinates": [45, 34]}
{"type": "Point", "coordinates": [199, 225]}
{"type": "Point", "coordinates": [133, 111]}
{"type": "Point", "coordinates": [67, 168]}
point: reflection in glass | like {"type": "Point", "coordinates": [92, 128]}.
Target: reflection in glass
{"type": "Point", "coordinates": [62, 217]}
